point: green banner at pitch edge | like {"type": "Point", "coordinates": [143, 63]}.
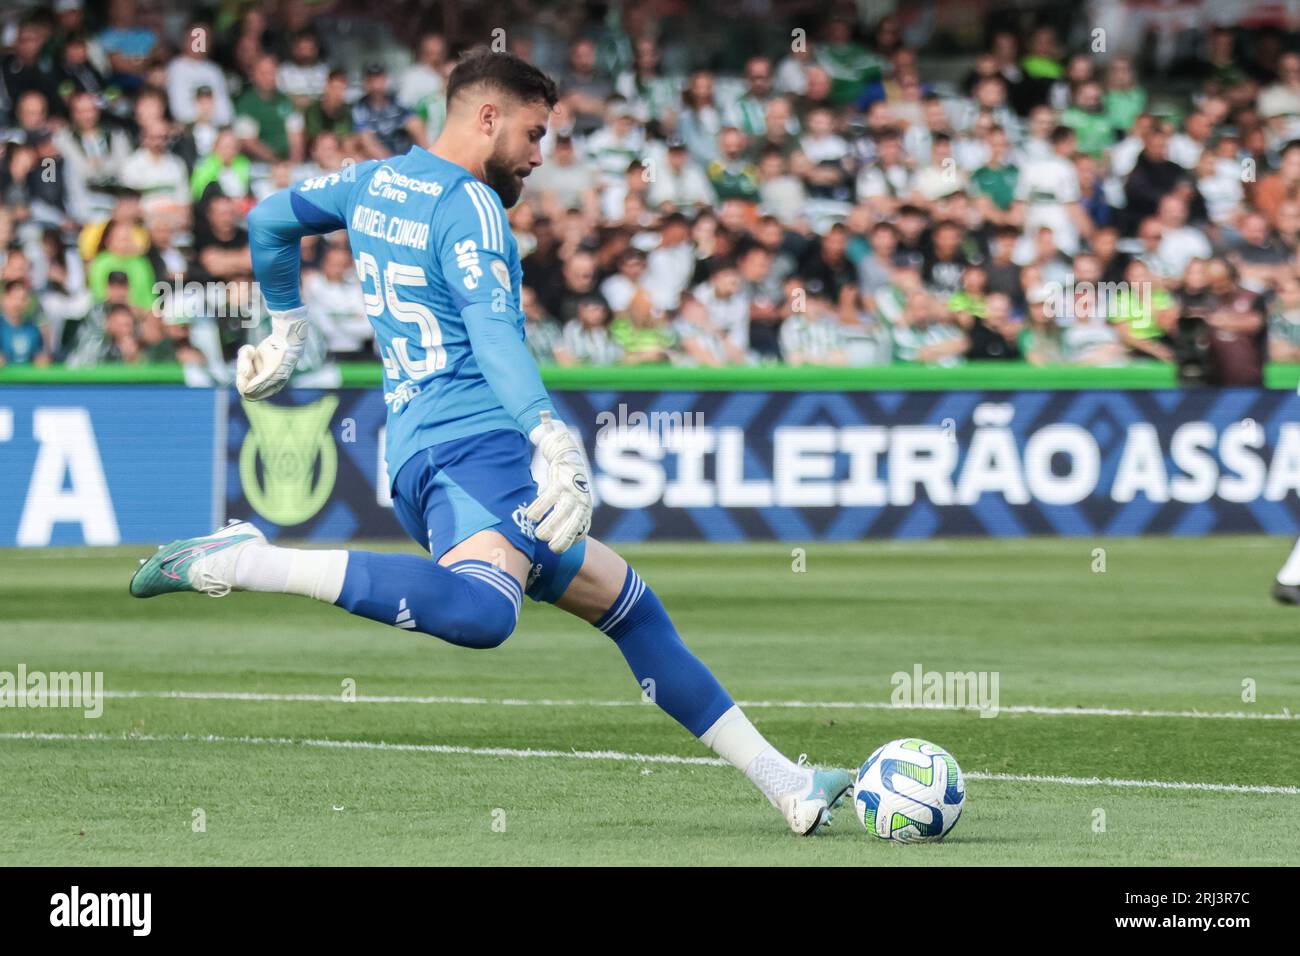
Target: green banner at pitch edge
{"type": "Point", "coordinates": [976, 375]}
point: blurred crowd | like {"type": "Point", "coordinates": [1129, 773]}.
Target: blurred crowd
{"type": "Point", "coordinates": [823, 195]}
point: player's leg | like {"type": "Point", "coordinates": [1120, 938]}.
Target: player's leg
{"type": "Point", "coordinates": [470, 597]}
{"type": "Point", "coordinates": [606, 592]}
{"type": "Point", "coordinates": [1287, 586]}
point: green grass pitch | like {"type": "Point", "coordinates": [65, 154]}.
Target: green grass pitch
{"type": "Point", "coordinates": [499, 769]}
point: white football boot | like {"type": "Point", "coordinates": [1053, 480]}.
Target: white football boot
{"type": "Point", "coordinates": [809, 810]}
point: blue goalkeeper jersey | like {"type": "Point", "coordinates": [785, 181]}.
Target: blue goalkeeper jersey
{"type": "Point", "coordinates": [441, 275]}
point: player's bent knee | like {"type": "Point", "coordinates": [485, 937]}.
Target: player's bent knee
{"type": "Point", "coordinates": [483, 615]}
{"type": "Point", "coordinates": [489, 627]}
{"type": "Point", "coordinates": [485, 633]}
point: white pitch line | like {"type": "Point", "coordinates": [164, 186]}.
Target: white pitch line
{"type": "Point", "coordinates": [616, 755]}
{"type": "Point", "coordinates": [749, 704]}
{"type": "Point", "coordinates": [369, 745]}
{"type": "Point", "coordinates": [1144, 784]}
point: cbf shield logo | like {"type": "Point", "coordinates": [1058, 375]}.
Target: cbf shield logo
{"type": "Point", "coordinates": [288, 461]}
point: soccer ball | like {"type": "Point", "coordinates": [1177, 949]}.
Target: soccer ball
{"type": "Point", "coordinates": [909, 790]}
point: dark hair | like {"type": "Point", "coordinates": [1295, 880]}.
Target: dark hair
{"type": "Point", "coordinates": [505, 72]}
{"type": "Point", "coordinates": [1061, 134]}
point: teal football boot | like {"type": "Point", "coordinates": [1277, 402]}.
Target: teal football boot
{"type": "Point", "coordinates": [205, 564]}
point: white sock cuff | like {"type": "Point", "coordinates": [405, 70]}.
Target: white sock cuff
{"type": "Point", "coordinates": [317, 574]}
{"type": "Point", "coordinates": [733, 738]}
{"type": "Point", "coordinates": [1290, 573]}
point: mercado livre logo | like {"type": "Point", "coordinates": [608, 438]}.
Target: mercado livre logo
{"type": "Point", "coordinates": [288, 462]}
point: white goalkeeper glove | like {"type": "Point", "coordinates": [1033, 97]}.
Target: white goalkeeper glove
{"type": "Point", "coordinates": [567, 495]}
{"type": "Point", "coordinates": [262, 370]}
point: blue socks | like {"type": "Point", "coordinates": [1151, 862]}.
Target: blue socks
{"type": "Point", "coordinates": [668, 672]}
{"type": "Point", "coordinates": [476, 604]}
{"type": "Point", "coordinates": [470, 603]}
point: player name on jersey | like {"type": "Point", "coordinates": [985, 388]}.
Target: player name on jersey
{"type": "Point", "coordinates": [394, 229]}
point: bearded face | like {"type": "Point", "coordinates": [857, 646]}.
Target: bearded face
{"type": "Point", "coordinates": [505, 174]}
{"type": "Point", "coordinates": [516, 149]}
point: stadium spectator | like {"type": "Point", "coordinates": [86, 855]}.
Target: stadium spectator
{"type": "Point", "coordinates": [619, 288]}
{"type": "Point", "coordinates": [26, 71]}
{"type": "Point", "coordinates": [159, 175]}
{"type": "Point", "coordinates": [336, 306]}
{"type": "Point", "coordinates": [331, 113]}
{"type": "Point", "coordinates": [1153, 177]}
{"type": "Point", "coordinates": [847, 166]}
{"type": "Point", "coordinates": [679, 183]}
{"type": "Point", "coordinates": [564, 182]}
{"type": "Point", "coordinates": [584, 88]}
{"type": "Point", "coordinates": [1281, 185]}
{"type": "Point", "coordinates": [700, 340]}
{"type": "Point", "coordinates": [619, 142]}
{"type": "Point", "coordinates": [123, 252]}
{"type": "Point", "coordinates": [724, 300]}
{"type": "Point", "coordinates": [1284, 321]}
{"type": "Point", "coordinates": [1236, 319]}
{"type": "Point", "coordinates": [645, 85]}
{"type": "Point", "coordinates": [266, 123]}
{"type": "Point", "coordinates": [1124, 100]}
{"type": "Point", "coordinates": [811, 333]}
{"type": "Point", "coordinates": [192, 70]}
{"type": "Point", "coordinates": [22, 341]}
{"type": "Point", "coordinates": [94, 155]}
{"type": "Point", "coordinates": [748, 112]}
{"type": "Point", "coordinates": [1040, 341]}
{"type": "Point", "coordinates": [384, 125]}
{"type": "Point", "coordinates": [699, 120]}
{"type": "Point", "coordinates": [128, 44]}
{"type": "Point", "coordinates": [642, 333]}
{"type": "Point", "coordinates": [924, 333]}
{"type": "Point", "coordinates": [303, 76]}
{"type": "Point", "coordinates": [1144, 315]}
{"type": "Point", "coordinates": [223, 172]}
{"type": "Point", "coordinates": [586, 339]}
{"type": "Point", "coordinates": [542, 333]}
{"type": "Point", "coordinates": [78, 68]}
{"type": "Point", "coordinates": [423, 79]}
{"type": "Point", "coordinates": [58, 277]}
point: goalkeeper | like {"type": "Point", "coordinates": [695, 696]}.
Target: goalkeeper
{"type": "Point", "coordinates": [442, 280]}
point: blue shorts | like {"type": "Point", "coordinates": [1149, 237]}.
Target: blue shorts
{"type": "Point", "coordinates": [455, 489]}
